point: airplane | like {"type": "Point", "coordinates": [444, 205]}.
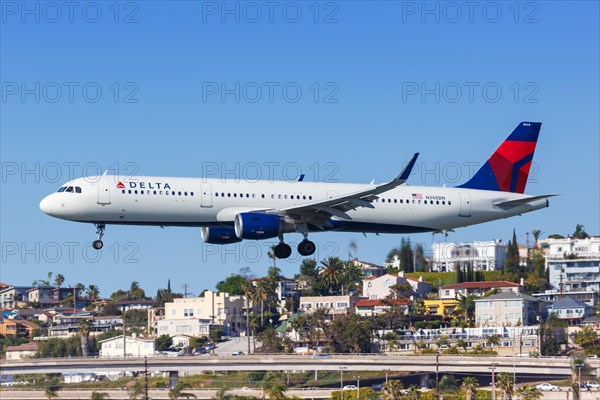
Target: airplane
{"type": "Point", "coordinates": [229, 211]}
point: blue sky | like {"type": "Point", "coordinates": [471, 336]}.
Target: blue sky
{"type": "Point", "coordinates": [343, 91]}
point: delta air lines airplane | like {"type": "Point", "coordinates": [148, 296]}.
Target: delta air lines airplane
{"type": "Point", "coordinates": [229, 211]}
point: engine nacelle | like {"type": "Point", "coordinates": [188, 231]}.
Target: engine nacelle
{"type": "Point", "coordinates": [257, 226]}
{"type": "Point", "coordinates": [218, 235]}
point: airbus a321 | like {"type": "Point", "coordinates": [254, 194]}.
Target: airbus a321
{"type": "Point", "coordinates": [229, 211]}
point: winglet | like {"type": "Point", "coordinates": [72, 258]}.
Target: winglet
{"type": "Point", "coordinates": [403, 176]}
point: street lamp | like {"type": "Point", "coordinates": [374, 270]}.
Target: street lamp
{"type": "Point", "coordinates": [493, 368]}
{"type": "Point", "coordinates": [386, 374]}
{"type": "Point", "coordinates": [357, 387]}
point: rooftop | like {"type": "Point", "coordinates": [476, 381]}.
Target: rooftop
{"type": "Point", "coordinates": [481, 285]}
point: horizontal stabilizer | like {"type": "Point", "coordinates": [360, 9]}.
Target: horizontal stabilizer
{"type": "Point", "coordinates": [525, 200]}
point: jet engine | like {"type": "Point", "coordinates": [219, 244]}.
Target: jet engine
{"type": "Point", "coordinates": [219, 235]}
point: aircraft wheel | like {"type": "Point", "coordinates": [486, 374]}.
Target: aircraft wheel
{"type": "Point", "coordinates": [97, 244]}
{"type": "Point", "coordinates": [283, 250]}
{"type": "Point", "coordinates": [306, 248]}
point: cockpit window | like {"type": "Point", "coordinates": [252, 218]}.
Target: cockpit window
{"type": "Point", "coordinates": [77, 189]}
{"type": "Point", "coordinates": [62, 189]}
{"type": "Point", "coordinates": [69, 189]}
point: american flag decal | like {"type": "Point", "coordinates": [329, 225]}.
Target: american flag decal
{"type": "Point", "coordinates": [417, 196]}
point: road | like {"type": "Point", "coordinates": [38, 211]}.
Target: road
{"type": "Point", "coordinates": [197, 364]}
{"type": "Point", "coordinates": [163, 394]}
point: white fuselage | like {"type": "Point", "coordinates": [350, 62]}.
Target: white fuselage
{"type": "Point", "coordinates": [197, 202]}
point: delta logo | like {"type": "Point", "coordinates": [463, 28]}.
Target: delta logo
{"type": "Point", "coordinates": [144, 185]}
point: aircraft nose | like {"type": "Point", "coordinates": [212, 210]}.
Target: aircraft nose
{"type": "Point", "coordinates": [47, 205]}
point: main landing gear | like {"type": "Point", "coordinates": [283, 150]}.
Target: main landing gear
{"type": "Point", "coordinates": [97, 244]}
{"type": "Point", "coordinates": [305, 248]}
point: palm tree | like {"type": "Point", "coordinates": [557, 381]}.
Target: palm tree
{"type": "Point", "coordinates": [392, 390]}
{"type": "Point", "coordinates": [467, 307]}
{"type": "Point", "coordinates": [265, 295]}
{"type": "Point", "coordinates": [505, 382]}
{"type": "Point", "coordinates": [529, 392]}
{"type": "Point", "coordinates": [470, 385]}
{"type": "Point", "coordinates": [93, 292]}
{"type": "Point", "coordinates": [331, 272]}
{"type": "Point", "coordinates": [177, 391]}
{"type": "Point", "coordinates": [350, 276]}
{"type": "Point", "coordinates": [493, 340]}
{"type": "Point", "coordinates": [99, 395]}
{"type": "Point", "coordinates": [536, 236]}
{"type": "Point", "coordinates": [274, 386]}
{"type": "Point", "coordinates": [413, 393]}
{"type": "Point", "coordinates": [51, 392]}
{"type": "Point", "coordinates": [59, 280]}
{"type": "Point", "coordinates": [84, 334]}
{"type": "Point", "coordinates": [136, 391]}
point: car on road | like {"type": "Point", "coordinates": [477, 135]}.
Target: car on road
{"type": "Point", "coordinates": [377, 386]}
{"type": "Point", "coordinates": [246, 389]}
{"type": "Point", "coordinates": [547, 387]}
{"type": "Point", "coordinates": [591, 385]}
{"type": "Point", "coordinates": [350, 387]}
{"type": "Point", "coordinates": [238, 353]}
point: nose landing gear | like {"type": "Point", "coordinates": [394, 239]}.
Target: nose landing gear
{"type": "Point", "coordinates": [97, 244]}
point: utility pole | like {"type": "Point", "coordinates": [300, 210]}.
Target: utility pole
{"type": "Point", "coordinates": [212, 317]}
{"type": "Point", "coordinates": [185, 287]}
{"type": "Point", "coordinates": [124, 337]}
{"type": "Point", "coordinates": [248, 322]}
{"type": "Point", "coordinates": [437, 374]}
{"type": "Point", "coordinates": [146, 377]}
{"type": "Point", "coordinates": [493, 381]}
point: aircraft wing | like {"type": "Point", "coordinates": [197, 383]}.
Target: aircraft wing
{"type": "Point", "coordinates": [319, 212]}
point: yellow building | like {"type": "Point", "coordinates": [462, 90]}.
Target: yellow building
{"type": "Point", "coordinates": [444, 307]}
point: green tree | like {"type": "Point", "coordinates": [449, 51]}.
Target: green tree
{"type": "Point", "coordinates": [163, 342]}
{"type": "Point", "coordinates": [351, 334]}
{"type": "Point", "coordinates": [274, 386]}
{"type": "Point", "coordinates": [469, 386]}
{"type": "Point", "coordinates": [177, 391]}
{"type": "Point", "coordinates": [136, 390]}
{"type": "Point", "coordinates": [527, 392]}
{"type": "Point", "coordinates": [93, 292]}
{"type": "Point", "coordinates": [392, 389]}
{"type": "Point", "coordinates": [265, 295]}
{"type": "Point", "coordinates": [493, 341]}
{"type": "Point", "coordinates": [274, 272]}
{"type": "Point", "coordinates": [505, 382]}
{"type": "Point", "coordinates": [448, 383]}
{"type": "Point", "coordinates": [556, 236]}
{"type": "Point", "coordinates": [580, 232]}
{"type": "Point", "coordinates": [588, 340]}
{"type": "Point", "coordinates": [466, 308]}
{"type": "Point", "coordinates": [350, 278]}
{"type": "Point", "coordinates": [59, 279]}
{"type": "Point", "coordinates": [233, 284]}
{"type": "Point", "coordinates": [84, 328]}
{"type": "Point", "coordinates": [308, 268]}
{"type": "Point", "coordinates": [331, 272]}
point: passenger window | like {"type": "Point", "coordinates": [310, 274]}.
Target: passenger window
{"type": "Point", "coordinates": [437, 202]}
{"type": "Point", "coordinates": [141, 191]}
{"type": "Point", "coordinates": [401, 201]}
{"type": "Point", "coordinates": [173, 193]}
{"type": "Point", "coordinates": [160, 192]}
{"type": "Point", "coordinates": [235, 195]}
{"type": "Point", "coordinates": [123, 191]}
{"type": "Point", "coordinates": [129, 191]}
{"type": "Point", "coordinates": [155, 192]}
{"type": "Point", "coordinates": [217, 194]}
{"type": "Point", "coordinates": [279, 196]}
{"type": "Point", "coordinates": [185, 193]}
{"type": "Point", "coordinates": [303, 197]}
{"type": "Point", "coordinates": [395, 200]}
{"type": "Point", "coordinates": [166, 192]}
{"type": "Point", "coordinates": [135, 191]}
{"type": "Point", "coordinates": [178, 193]}
{"type": "Point", "coordinates": [310, 197]}
{"type": "Point", "coordinates": [191, 193]}
{"type": "Point", "coordinates": [443, 203]}
{"type": "Point", "coordinates": [449, 203]}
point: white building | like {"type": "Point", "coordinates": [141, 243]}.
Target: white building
{"type": "Point", "coordinates": [22, 351]}
{"type": "Point", "coordinates": [335, 305]}
{"type": "Point", "coordinates": [195, 315]}
{"type": "Point", "coordinates": [574, 262]}
{"type": "Point", "coordinates": [379, 287]}
{"type": "Point", "coordinates": [131, 346]}
{"type": "Point", "coordinates": [482, 256]}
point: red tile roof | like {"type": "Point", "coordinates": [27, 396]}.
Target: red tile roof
{"type": "Point", "coordinates": [380, 302]}
{"type": "Point", "coordinates": [31, 346]}
{"type": "Point", "coordinates": [481, 285]}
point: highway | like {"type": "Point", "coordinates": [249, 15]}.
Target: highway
{"type": "Point", "coordinates": [198, 364]}
{"type": "Point", "coordinates": [163, 394]}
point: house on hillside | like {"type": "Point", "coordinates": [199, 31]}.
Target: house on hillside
{"type": "Point", "coordinates": [571, 311]}
{"type": "Point", "coordinates": [130, 346]}
{"type": "Point", "coordinates": [509, 309]}
{"type": "Point", "coordinates": [369, 307]}
{"type": "Point", "coordinates": [381, 287]}
{"type": "Point", "coordinates": [477, 289]}
{"type": "Point", "coordinates": [22, 351]}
